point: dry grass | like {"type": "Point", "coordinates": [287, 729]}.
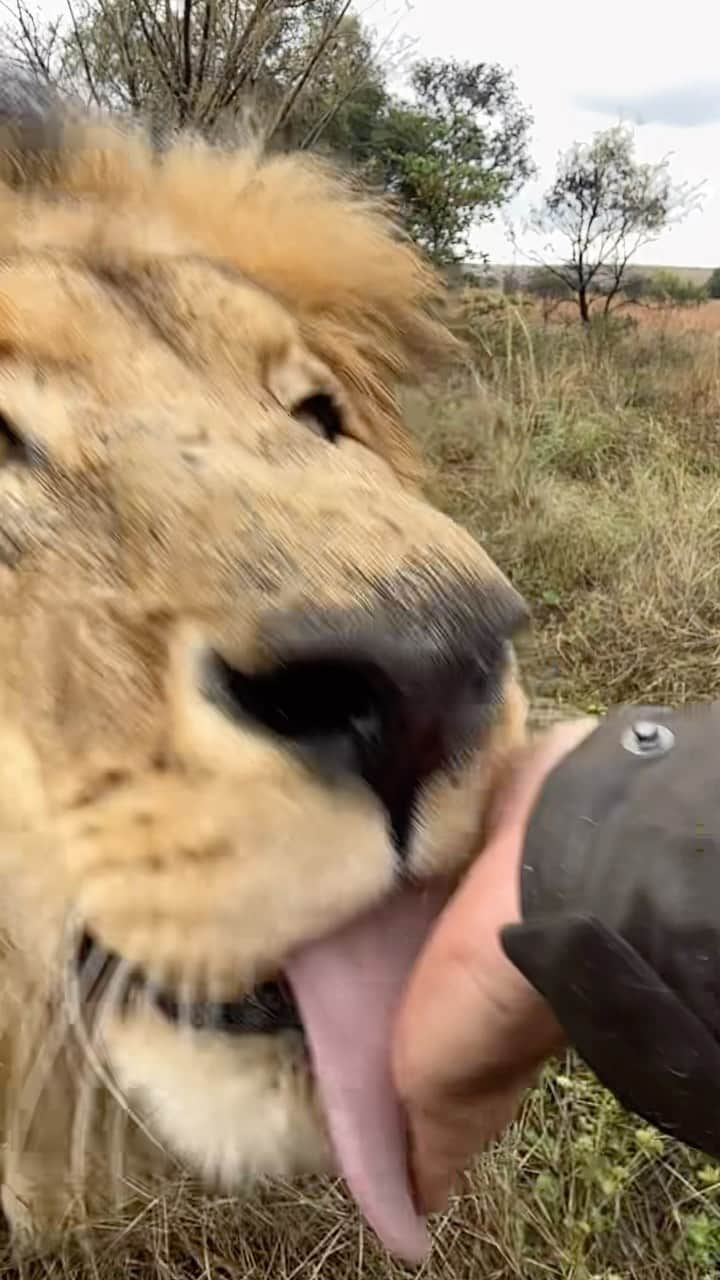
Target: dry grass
{"type": "Point", "coordinates": [590, 465]}
{"type": "Point", "coordinates": [704, 318]}
{"type": "Point", "coordinates": [578, 1190]}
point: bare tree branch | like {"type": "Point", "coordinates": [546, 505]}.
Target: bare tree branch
{"type": "Point", "coordinates": [238, 62]}
{"type": "Point", "coordinates": [205, 37]}
{"type": "Point", "coordinates": [187, 69]}
{"type": "Point", "coordinates": [290, 99]}
{"type": "Point", "coordinates": [157, 40]}
{"type": "Point", "coordinates": [83, 55]}
{"type": "Point", "coordinates": [30, 47]}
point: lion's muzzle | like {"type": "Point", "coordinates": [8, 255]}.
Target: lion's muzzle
{"type": "Point", "coordinates": [389, 695]}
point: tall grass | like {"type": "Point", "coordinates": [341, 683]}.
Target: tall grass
{"type": "Point", "coordinates": [589, 464]}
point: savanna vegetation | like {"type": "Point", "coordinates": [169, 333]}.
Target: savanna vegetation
{"type": "Point", "coordinates": [588, 462]}
{"type": "Point", "coordinates": [586, 456]}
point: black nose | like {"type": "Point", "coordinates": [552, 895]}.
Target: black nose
{"type": "Point", "coordinates": [392, 705]}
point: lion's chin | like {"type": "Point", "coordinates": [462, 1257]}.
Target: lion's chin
{"type": "Point", "coordinates": [308, 1087]}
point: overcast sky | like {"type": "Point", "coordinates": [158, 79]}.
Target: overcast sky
{"type": "Point", "coordinates": [583, 67]}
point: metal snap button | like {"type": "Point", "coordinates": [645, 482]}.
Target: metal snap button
{"type": "Point", "coordinates": [648, 738]}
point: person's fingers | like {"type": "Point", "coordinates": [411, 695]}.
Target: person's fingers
{"type": "Point", "coordinates": [471, 1032]}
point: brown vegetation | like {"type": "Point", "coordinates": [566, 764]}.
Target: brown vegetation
{"type": "Point", "coordinates": [703, 318]}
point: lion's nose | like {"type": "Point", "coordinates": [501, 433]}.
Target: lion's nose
{"type": "Point", "coordinates": [390, 700]}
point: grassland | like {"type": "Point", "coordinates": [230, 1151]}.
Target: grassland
{"type": "Point", "coordinates": [589, 464]}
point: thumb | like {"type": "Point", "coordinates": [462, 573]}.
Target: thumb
{"type": "Point", "coordinates": [481, 1055]}
{"type": "Point", "coordinates": [471, 1031]}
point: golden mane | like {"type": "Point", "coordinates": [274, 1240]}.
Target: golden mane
{"type": "Point", "coordinates": [364, 296]}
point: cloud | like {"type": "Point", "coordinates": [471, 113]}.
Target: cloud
{"type": "Point", "coordinates": [684, 106]}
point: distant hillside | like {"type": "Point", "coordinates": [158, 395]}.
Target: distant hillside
{"type": "Point", "coordinates": [496, 272]}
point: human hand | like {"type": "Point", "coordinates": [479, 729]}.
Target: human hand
{"type": "Point", "coordinates": [471, 1032]}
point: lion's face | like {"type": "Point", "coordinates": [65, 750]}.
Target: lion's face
{"type": "Point", "coordinates": [251, 681]}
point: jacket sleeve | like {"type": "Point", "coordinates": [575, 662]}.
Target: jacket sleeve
{"type": "Point", "coordinates": [620, 894]}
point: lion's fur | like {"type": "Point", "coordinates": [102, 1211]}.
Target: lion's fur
{"type": "Point", "coordinates": [160, 317]}
{"type": "Point", "coordinates": [290, 223]}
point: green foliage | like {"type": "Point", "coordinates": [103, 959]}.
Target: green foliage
{"type": "Point", "coordinates": [586, 461]}
{"type": "Point", "coordinates": [454, 154]}
{"type": "Point", "coordinates": [671, 289]}
{"type": "Point", "coordinates": [664, 288]}
{"type": "Point", "coordinates": [345, 96]}
{"type": "Point", "coordinates": [603, 181]}
{"type": "Point", "coordinates": [713, 284]}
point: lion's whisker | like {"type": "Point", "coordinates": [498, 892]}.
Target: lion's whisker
{"type": "Point", "coordinates": [86, 1095]}
{"type": "Point", "coordinates": [117, 1144]}
{"type": "Point", "coordinates": [53, 1039]}
{"type": "Point", "coordinates": [77, 1020]}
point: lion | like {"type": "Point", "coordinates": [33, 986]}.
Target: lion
{"type": "Point", "coordinates": [256, 691]}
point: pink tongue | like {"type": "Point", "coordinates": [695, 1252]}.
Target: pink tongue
{"type": "Point", "coordinates": [348, 987]}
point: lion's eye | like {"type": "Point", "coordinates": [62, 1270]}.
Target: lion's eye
{"type": "Point", "coordinates": [322, 413]}
{"type": "Point", "coordinates": [12, 445]}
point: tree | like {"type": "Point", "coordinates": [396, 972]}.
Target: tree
{"type": "Point", "coordinates": [308, 74]}
{"type": "Point", "coordinates": [606, 205]}
{"type": "Point", "coordinates": [455, 153]}
{"type": "Point", "coordinates": [713, 284]}
{"type": "Point", "coordinates": [203, 63]}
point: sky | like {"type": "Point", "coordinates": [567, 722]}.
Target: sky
{"type": "Point", "coordinates": [581, 68]}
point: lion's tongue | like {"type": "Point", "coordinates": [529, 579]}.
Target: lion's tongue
{"type": "Point", "coordinates": [347, 987]}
